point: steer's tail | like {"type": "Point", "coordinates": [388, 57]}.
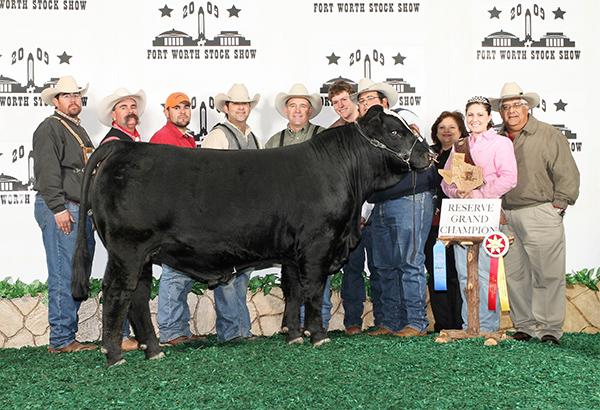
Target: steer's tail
{"type": "Point", "coordinates": [82, 260]}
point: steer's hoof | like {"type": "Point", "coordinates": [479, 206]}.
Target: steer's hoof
{"type": "Point", "coordinates": [158, 356]}
{"type": "Point", "coordinates": [296, 341]}
{"type": "Point", "coordinates": [103, 350]}
{"type": "Point", "coordinates": [117, 363]}
{"type": "Point", "coordinates": [321, 342]}
{"type": "Point", "coordinates": [143, 346]}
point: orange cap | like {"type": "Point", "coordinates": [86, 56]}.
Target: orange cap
{"type": "Point", "coordinates": [176, 98]}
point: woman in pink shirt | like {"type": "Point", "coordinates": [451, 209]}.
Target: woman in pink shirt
{"type": "Point", "coordinates": [495, 155]}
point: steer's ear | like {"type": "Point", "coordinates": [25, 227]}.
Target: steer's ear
{"type": "Point", "coordinates": [373, 112]}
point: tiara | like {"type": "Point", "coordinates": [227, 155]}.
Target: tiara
{"type": "Point", "coordinates": [478, 99]}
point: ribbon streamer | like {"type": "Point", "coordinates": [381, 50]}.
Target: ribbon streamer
{"type": "Point", "coordinates": [493, 285]}
{"type": "Point", "coordinates": [502, 288]}
{"type": "Point", "coordinates": [439, 266]}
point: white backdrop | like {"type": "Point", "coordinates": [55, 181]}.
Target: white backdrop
{"type": "Point", "coordinates": [438, 53]}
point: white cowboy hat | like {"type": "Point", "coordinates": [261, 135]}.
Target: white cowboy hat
{"type": "Point", "coordinates": [106, 106]}
{"type": "Point", "coordinates": [366, 84]}
{"type": "Point", "coordinates": [298, 91]}
{"type": "Point", "coordinates": [512, 90]}
{"type": "Point", "coordinates": [64, 85]}
{"type": "Point", "coordinates": [237, 93]}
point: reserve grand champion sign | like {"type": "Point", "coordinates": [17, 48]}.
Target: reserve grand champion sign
{"type": "Point", "coordinates": [469, 217]}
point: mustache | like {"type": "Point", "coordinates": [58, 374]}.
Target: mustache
{"type": "Point", "coordinates": [132, 116]}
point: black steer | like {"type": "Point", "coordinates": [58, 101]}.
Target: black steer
{"type": "Point", "coordinates": [210, 213]}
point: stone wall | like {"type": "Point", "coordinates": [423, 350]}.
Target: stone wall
{"type": "Point", "coordinates": [24, 321]}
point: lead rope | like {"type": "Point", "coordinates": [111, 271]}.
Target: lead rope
{"type": "Point", "coordinates": [414, 188]}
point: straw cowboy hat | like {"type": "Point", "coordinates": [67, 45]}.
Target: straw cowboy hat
{"type": "Point", "coordinates": [64, 85]}
{"type": "Point", "coordinates": [366, 84]}
{"type": "Point", "coordinates": [298, 91]}
{"type": "Point", "coordinates": [238, 93]}
{"type": "Point", "coordinates": [512, 90]}
{"type": "Point", "coordinates": [106, 106]}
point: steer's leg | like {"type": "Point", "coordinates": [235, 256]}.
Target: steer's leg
{"type": "Point", "coordinates": [313, 301]}
{"type": "Point", "coordinates": [139, 315]}
{"type": "Point", "coordinates": [290, 285]}
{"type": "Point", "coordinates": [116, 295]}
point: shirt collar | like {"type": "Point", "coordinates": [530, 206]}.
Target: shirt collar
{"type": "Point", "coordinates": [174, 128]}
{"type": "Point", "coordinates": [135, 136]}
{"type": "Point", "coordinates": [301, 130]}
{"type": "Point", "coordinates": [245, 134]}
{"type": "Point", "coordinates": [74, 120]}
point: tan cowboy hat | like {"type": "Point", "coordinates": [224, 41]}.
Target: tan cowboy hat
{"type": "Point", "coordinates": [64, 85]}
{"type": "Point", "coordinates": [512, 90]}
{"type": "Point", "coordinates": [106, 106]}
{"type": "Point", "coordinates": [300, 91]}
{"type": "Point", "coordinates": [237, 93]}
{"type": "Point", "coordinates": [366, 84]}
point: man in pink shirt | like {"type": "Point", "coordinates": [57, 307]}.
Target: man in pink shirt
{"type": "Point", "coordinates": [173, 311]}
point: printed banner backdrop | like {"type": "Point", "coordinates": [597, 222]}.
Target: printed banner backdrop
{"type": "Point", "coordinates": [436, 54]}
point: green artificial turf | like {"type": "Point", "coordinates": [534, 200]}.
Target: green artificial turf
{"type": "Point", "coordinates": [348, 373]}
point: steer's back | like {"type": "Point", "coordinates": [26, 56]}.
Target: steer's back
{"type": "Point", "coordinates": [208, 209]}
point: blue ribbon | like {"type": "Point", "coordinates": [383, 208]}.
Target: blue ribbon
{"type": "Point", "coordinates": [439, 266]}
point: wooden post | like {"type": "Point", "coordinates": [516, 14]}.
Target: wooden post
{"type": "Point", "coordinates": [472, 290]}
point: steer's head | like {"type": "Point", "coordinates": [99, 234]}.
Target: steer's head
{"type": "Point", "coordinates": [387, 131]}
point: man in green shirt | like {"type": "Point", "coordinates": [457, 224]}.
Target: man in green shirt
{"type": "Point", "coordinates": [547, 182]}
{"type": "Point", "coordinates": [299, 107]}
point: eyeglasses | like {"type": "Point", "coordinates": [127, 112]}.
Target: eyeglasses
{"type": "Point", "coordinates": [366, 100]}
{"type": "Point", "coordinates": [71, 96]}
{"type": "Point", "coordinates": [508, 107]}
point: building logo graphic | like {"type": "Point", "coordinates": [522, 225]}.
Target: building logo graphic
{"type": "Point", "coordinates": [373, 60]}
{"type": "Point", "coordinates": [525, 37]}
{"type": "Point", "coordinates": [25, 93]}
{"type": "Point", "coordinates": [206, 42]}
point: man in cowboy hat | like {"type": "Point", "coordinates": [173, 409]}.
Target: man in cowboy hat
{"type": "Point", "coordinates": [400, 220]}
{"type": "Point", "coordinates": [547, 182]}
{"type": "Point", "coordinates": [173, 314]}
{"type": "Point", "coordinates": [121, 111]}
{"type": "Point", "coordinates": [60, 149]}
{"type": "Point", "coordinates": [299, 107]}
{"type": "Point", "coordinates": [233, 317]}
{"type": "Point", "coordinates": [234, 133]}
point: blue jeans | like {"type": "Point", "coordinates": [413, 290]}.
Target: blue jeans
{"type": "Point", "coordinates": [489, 320]}
{"type": "Point", "coordinates": [233, 317]}
{"type": "Point", "coordinates": [325, 307]}
{"type": "Point", "coordinates": [400, 230]}
{"type": "Point", "coordinates": [353, 283]}
{"type": "Point", "coordinates": [173, 311]}
{"type": "Point", "coordinates": [60, 249]}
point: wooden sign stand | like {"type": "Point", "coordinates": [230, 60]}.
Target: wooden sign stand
{"type": "Point", "coordinates": [472, 292]}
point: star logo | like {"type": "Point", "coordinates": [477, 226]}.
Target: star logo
{"type": "Point", "coordinates": [495, 13]}
{"type": "Point", "coordinates": [399, 59]}
{"type": "Point", "coordinates": [234, 11]}
{"type": "Point", "coordinates": [165, 11]}
{"type": "Point", "coordinates": [64, 58]}
{"type": "Point", "coordinates": [333, 59]}
{"type": "Point", "coordinates": [558, 14]}
{"type": "Point", "coordinates": [560, 105]}
{"type": "Point", "coordinates": [495, 244]}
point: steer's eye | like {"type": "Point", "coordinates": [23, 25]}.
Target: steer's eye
{"type": "Point", "coordinates": [394, 133]}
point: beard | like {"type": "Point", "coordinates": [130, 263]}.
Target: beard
{"type": "Point", "coordinates": [182, 122]}
{"type": "Point", "coordinates": [73, 110]}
